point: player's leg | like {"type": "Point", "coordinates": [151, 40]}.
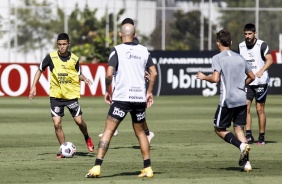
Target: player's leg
{"type": "Point", "coordinates": [76, 113]}
{"type": "Point", "coordinates": [57, 120]}
{"type": "Point", "coordinates": [260, 107]}
{"type": "Point", "coordinates": [239, 120]}
{"type": "Point", "coordinates": [250, 97]}
{"type": "Point", "coordinates": [150, 135]}
{"type": "Point", "coordinates": [115, 116]}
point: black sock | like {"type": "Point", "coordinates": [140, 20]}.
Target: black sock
{"type": "Point", "coordinates": [232, 139]}
{"type": "Point", "coordinates": [248, 132]}
{"type": "Point", "coordinates": [261, 136]}
{"type": "Point", "coordinates": [86, 137]}
{"type": "Point", "coordinates": [147, 163]}
{"type": "Point", "coordinates": [98, 161]}
{"type": "Point", "coordinates": [147, 132]}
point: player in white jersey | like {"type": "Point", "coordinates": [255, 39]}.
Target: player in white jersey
{"type": "Point", "coordinates": [150, 135]}
{"type": "Point", "coordinates": [126, 66]}
{"type": "Point", "coordinates": [257, 53]}
{"type": "Point", "coordinates": [230, 69]}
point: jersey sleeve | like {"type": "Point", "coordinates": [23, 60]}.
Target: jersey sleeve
{"type": "Point", "coordinates": [149, 62]}
{"type": "Point", "coordinates": [77, 67]}
{"type": "Point", "coordinates": [264, 50]}
{"type": "Point", "coordinates": [215, 64]}
{"type": "Point", "coordinates": [113, 59]}
{"type": "Point", "coordinates": [45, 63]}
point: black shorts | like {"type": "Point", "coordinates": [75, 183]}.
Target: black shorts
{"type": "Point", "coordinates": [119, 109]}
{"type": "Point", "coordinates": [57, 107]}
{"type": "Point", "coordinates": [259, 92]}
{"type": "Point", "coordinates": [223, 116]}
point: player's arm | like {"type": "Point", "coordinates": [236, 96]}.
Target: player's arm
{"type": "Point", "coordinates": [43, 65]}
{"type": "Point", "coordinates": [214, 78]}
{"type": "Point", "coordinates": [250, 77]}
{"type": "Point", "coordinates": [268, 59]}
{"type": "Point", "coordinates": [112, 66]}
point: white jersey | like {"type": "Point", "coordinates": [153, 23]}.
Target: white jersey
{"type": "Point", "coordinates": [254, 58]}
{"type": "Point", "coordinates": [129, 78]}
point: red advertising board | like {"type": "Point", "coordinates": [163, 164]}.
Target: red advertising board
{"type": "Point", "coordinates": [16, 79]}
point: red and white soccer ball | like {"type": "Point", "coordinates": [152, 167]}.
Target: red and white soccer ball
{"type": "Point", "coordinates": [67, 149]}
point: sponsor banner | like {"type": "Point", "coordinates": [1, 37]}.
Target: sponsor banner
{"type": "Point", "coordinates": [16, 80]}
{"type": "Point", "coordinates": [177, 74]}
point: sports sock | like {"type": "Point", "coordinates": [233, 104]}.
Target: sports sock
{"type": "Point", "coordinates": [248, 132]}
{"type": "Point", "coordinates": [147, 163]}
{"type": "Point", "coordinates": [261, 136]}
{"type": "Point", "coordinates": [232, 139]}
{"type": "Point", "coordinates": [98, 161]}
{"type": "Point", "coordinates": [147, 132]}
{"type": "Point", "coordinates": [86, 137]}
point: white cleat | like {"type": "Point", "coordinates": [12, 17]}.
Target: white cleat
{"type": "Point", "coordinates": [150, 136]}
{"type": "Point", "coordinates": [247, 167]}
{"type": "Point", "coordinates": [115, 134]}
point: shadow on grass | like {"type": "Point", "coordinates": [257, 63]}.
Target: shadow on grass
{"type": "Point", "coordinates": [135, 173]}
{"type": "Point", "coordinates": [134, 147]}
{"type": "Point", "coordinates": [80, 154]}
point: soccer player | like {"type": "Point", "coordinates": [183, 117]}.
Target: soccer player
{"type": "Point", "coordinates": [127, 63]}
{"type": "Point", "coordinates": [230, 69]}
{"type": "Point", "coordinates": [64, 88]}
{"type": "Point", "coordinates": [150, 135]}
{"type": "Point", "coordinates": [256, 52]}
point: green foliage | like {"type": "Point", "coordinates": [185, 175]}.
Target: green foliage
{"type": "Point", "coordinates": [269, 22]}
{"type": "Point", "coordinates": [183, 33]}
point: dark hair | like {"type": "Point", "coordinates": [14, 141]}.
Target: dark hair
{"type": "Point", "coordinates": [63, 36]}
{"type": "Point", "coordinates": [127, 21]}
{"type": "Point", "coordinates": [224, 38]}
{"type": "Point", "coordinates": [250, 27]}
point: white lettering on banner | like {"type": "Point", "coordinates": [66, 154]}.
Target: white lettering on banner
{"type": "Point", "coordinates": [43, 80]}
{"type": "Point", "coordinates": [184, 60]}
{"type": "Point", "coordinates": [5, 80]}
{"type": "Point", "coordinates": [275, 82]}
{"type": "Point", "coordinates": [184, 81]}
{"type": "Point", "coordinates": [99, 77]}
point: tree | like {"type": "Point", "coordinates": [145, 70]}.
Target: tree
{"type": "Point", "coordinates": [269, 22]}
{"type": "Point", "coordinates": [183, 33]}
{"type": "Point", "coordinates": [34, 26]}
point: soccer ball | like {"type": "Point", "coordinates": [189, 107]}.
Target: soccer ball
{"type": "Point", "coordinates": [67, 149]}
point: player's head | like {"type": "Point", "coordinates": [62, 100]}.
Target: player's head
{"type": "Point", "coordinates": [63, 43]}
{"type": "Point", "coordinates": [223, 38]}
{"type": "Point", "coordinates": [127, 32]}
{"type": "Point", "coordinates": [63, 36]}
{"type": "Point", "coordinates": [250, 27]}
{"type": "Point", "coordinates": [250, 33]}
{"type": "Point", "coordinates": [127, 21]}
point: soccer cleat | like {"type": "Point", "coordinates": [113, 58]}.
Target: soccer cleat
{"type": "Point", "coordinates": [90, 144]}
{"type": "Point", "coordinates": [261, 141]}
{"type": "Point", "coordinates": [150, 136]}
{"type": "Point", "coordinates": [60, 155]}
{"type": "Point", "coordinates": [244, 153]}
{"type": "Point", "coordinates": [247, 167]}
{"type": "Point", "coordinates": [115, 134]}
{"type": "Point", "coordinates": [250, 138]}
{"type": "Point", "coordinates": [94, 172]}
{"type": "Point", "coordinates": [146, 172]}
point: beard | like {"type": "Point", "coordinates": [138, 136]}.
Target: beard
{"type": "Point", "coordinates": [250, 41]}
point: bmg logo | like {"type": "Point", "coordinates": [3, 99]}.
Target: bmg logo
{"type": "Point", "coordinates": [185, 81]}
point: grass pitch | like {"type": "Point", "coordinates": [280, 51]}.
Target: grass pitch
{"type": "Point", "coordinates": [185, 148]}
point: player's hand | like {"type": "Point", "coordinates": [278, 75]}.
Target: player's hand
{"type": "Point", "coordinates": [87, 81]}
{"type": "Point", "coordinates": [200, 75]}
{"type": "Point", "coordinates": [150, 100]}
{"type": "Point", "coordinates": [259, 74]}
{"type": "Point", "coordinates": [108, 98]}
{"type": "Point", "coordinates": [32, 93]}
{"type": "Point", "coordinates": [147, 76]}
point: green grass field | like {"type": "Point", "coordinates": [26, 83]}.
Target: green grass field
{"type": "Point", "coordinates": [185, 148]}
